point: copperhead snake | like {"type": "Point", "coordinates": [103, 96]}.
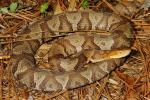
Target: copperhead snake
{"type": "Point", "coordinates": [82, 57]}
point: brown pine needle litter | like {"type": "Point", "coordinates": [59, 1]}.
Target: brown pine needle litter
{"type": "Point", "coordinates": [128, 82]}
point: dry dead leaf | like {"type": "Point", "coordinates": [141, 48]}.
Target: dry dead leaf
{"type": "Point", "coordinates": [126, 78]}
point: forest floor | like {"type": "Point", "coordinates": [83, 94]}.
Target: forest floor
{"type": "Point", "coordinates": [128, 82]}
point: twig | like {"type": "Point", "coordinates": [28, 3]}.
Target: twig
{"type": "Point", "coordinates": [20, 16]}
{"type": "Point", "coordinates": [99, 4]}
{"type": "Point", "coordinates": [56, 94]}
{"type": "Point", "coordinates": [80, 4]}
{"type": "Point", "coordinates": [112, 8]}
{"type": "Point", "coordinates": [1, 76]}
{"type": "Point", "coordinates": [4, 57]}
{"type": "Point", "coordinates": [102, 87]}
{"type": "Point", "coordinates": [2, 26]}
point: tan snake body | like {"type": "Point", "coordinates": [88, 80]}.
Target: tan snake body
{"type": "Point", "coordinates": [96, 54]}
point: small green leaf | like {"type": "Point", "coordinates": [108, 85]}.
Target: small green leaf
{"type": "Point", "coordinates": [85, 4]}
{"type": "Point", "coordinates": [4, 10]}
{"type": "Point", "coordinates": [13, 6]}
{"type": "Point", "coordinates": [44, 7]}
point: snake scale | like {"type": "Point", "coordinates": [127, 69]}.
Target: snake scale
{"type": "Point", "coordinates": [81, 58]}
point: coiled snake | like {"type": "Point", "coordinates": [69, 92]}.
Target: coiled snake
{"type": "Point", "coordinates": [82, 57]}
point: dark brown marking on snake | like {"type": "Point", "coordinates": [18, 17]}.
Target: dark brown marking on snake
{"type": "Point", "coordinates": [84, 23]}
{"type": "Point", "coordinates": [120, 39]}
{"type": "Point", "coordinates": [68, 47]}
{"type": "Point", "coordinates": [102, 24]}
{"type": "Point", "coordinates": [65, 25]}
{"type": "Point", "coordinates": [54, 63]}
{"type": "Point", "coordinates": [46, 30]}
{"type": "Point", "coordinates": [97, 72]}
{"type": "Point", "coordinates": [53, 84]}
{"type": "Point", "coordinates": [76, 80]}
{"type": "Point", "coordinates": [89, 43]}
{"type": "Point", "coordinates": [29, 78]}
{"type": "Point", "coordinates": [20, 57]}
